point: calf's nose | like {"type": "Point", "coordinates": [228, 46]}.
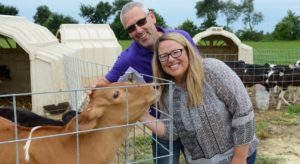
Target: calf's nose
{"type": "Point", "coordinates": [155, 86]}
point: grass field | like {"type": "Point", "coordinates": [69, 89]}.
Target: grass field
{"type": "Point", "coordinates": [277, 52]}
{"type": "Point", "coordinates": [125, 43]}
{"type": "Point", "coordinates": [275, 45]}
{"type": "Point", "coordinates": [254, 45]}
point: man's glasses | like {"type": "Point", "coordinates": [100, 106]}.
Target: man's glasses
{"type": "Point", "coordinates": [140, 23]}
{"type": "Point", "coordinates": [175, 54]}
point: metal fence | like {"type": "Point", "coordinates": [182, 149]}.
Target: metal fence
{"type": "Point", "coordinates": [137, 145]}
{"type": "Point", "coordinates": [276, 56]}
{"type": "Point", "coordinates": [282, 81]}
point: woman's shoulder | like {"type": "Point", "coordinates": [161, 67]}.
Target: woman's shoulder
{"type": "Point", "coordinates": [212, 64]}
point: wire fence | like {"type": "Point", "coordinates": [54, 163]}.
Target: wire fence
{"type": "Point", "coordinates": [278, 70]}
{"type": "Point", "coordinates": [81, 74]}
{"type": "Point", "coordinates": [136, 147]}
{"type": "Point", "coordinates": [276, 56]}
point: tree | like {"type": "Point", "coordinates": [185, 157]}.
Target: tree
{"type": "Point", "coordinates": [52, 21]}
{"type": "Point", "coordinates": [118, 4]}
{"type": "Point", "coordinates": [42, 15]}
{"type": "Point", "coordinates": [87, 12]}
{"type": "Point", "coordinates": [118, 29]}
{"type": "Point", "coordinates": [98, 14]}
{"type": "Point", "coordinates": [288, 28]}
{"type": "Point", "coordinates": [189, 27]}
{"type": "Point", "coordinates": [251, 18]}
{"type": "Point", "coordinates": [231, 11]}
{"type": "Point", "coordinates": [159, 19]}
{"type": "Point", "coordinates": [55, 20]}
{"type": "Point", "coordinates": [208, 9]}
{"type": "Point", "coordinates": [250, 35]}
{"type": "Point", "coordinates": [8, 10]}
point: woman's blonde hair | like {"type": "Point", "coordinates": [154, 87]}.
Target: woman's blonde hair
{"type": "Point", "coordinates": [194, 76]}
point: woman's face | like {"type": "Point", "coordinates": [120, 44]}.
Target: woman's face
{"type": "Point", "coordinates": [176, 59]}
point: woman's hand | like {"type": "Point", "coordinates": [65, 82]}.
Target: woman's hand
{"type": "Point", "coordinates": [155, 125]}
{"type": "Point", "coordinates": [144, 117]}
{"type": "Point", "coordinates": [237, 160]}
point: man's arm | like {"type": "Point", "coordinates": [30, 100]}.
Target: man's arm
{"type": "Point", "coordinates": [102, 82]}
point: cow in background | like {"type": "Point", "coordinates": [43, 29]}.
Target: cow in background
{"type": "Point", "coordinates": [286, 79]}
{"type": "Point", "coordinates": [268, 75]}
{"type": "Point", "coordinates": [250, 74]}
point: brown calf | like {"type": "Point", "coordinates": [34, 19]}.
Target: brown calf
{"type": "Point", "coordinates": [107, 107]}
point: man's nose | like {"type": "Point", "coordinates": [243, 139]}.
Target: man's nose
{"type": "Point", "coordinates": [138, 28]}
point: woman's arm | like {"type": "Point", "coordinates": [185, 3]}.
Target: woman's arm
{"type": "Point", "coordinates": [240, 154]}
{"type": "Point", "coordinates": [155, 125]}
{"type": "Point", "coordinates": [230, 89]}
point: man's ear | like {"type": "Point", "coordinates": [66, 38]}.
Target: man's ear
{"type": "Point", "coordinates": [87, 120]}
{"type": "Point", "coordinates": [152, 16]}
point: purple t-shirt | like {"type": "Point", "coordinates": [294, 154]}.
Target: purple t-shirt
{"type": "Point", "coordinates": [139, 58]}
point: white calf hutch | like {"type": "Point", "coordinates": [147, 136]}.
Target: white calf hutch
{"type": "Point", "coordinates": [34, 57]}
{"type": "Point", "coordinates": [34, 60]}
{"type": "Point", "coordinates": [218, 43]}
{"type": "Point", "coordinates": [93, 42]}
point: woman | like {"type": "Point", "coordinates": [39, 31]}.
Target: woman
{"type": "Point", "coordinates": [213, 115]}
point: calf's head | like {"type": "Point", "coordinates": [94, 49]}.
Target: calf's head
{"type": "Point", "coordinates": [118, 104]}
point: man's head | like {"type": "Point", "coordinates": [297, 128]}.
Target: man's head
{"type": "Point", "coordinates": [139, 22]}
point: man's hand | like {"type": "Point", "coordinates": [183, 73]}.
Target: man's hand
{"type": "Point", "coordinates": [90, 90]}
{"type": "Point", "coordinates": [101, 82]}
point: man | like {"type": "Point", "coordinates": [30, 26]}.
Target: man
{"type": "Point", "coordinates": [139, 22]}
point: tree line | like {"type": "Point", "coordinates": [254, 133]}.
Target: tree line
{"type": "Point", "coordinates": [208, 10]}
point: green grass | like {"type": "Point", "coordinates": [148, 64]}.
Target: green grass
{"type": "Point", "coordinates": [285, 119]}
{"type": "Point", "coordinates": [254, 45]}
{"type": "Point", "coordinates": [142, 150]}
{"type": "Point", "coordinates": [294, 109]}
{"type": "Point", "coordinates": [262, 129]}
{"type": "Point", "coordinates": [267, 160]}
{"type": "Point", "coordinates": [276, 52]}
{"type": "Point", "coordinates": [276, 56]}
{"type": "Point", "coordinates": [274, 45]}
{"type": "Point", "coordinates": [125, 43]}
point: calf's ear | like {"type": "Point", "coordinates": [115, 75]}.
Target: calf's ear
{"type": "Point", "coordinates": [88, 119]}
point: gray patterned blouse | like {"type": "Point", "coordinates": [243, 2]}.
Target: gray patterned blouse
{"type": "Point", "coordinates": [224, 120]}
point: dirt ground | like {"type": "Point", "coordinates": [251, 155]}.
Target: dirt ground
{"type": "Point", "coordinates": [281, 142]}
{"type": "Point", "coordinates": [278, 131]}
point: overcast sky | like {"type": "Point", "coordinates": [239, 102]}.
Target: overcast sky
{"type": "Point", "coordinates": [173, 11]}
